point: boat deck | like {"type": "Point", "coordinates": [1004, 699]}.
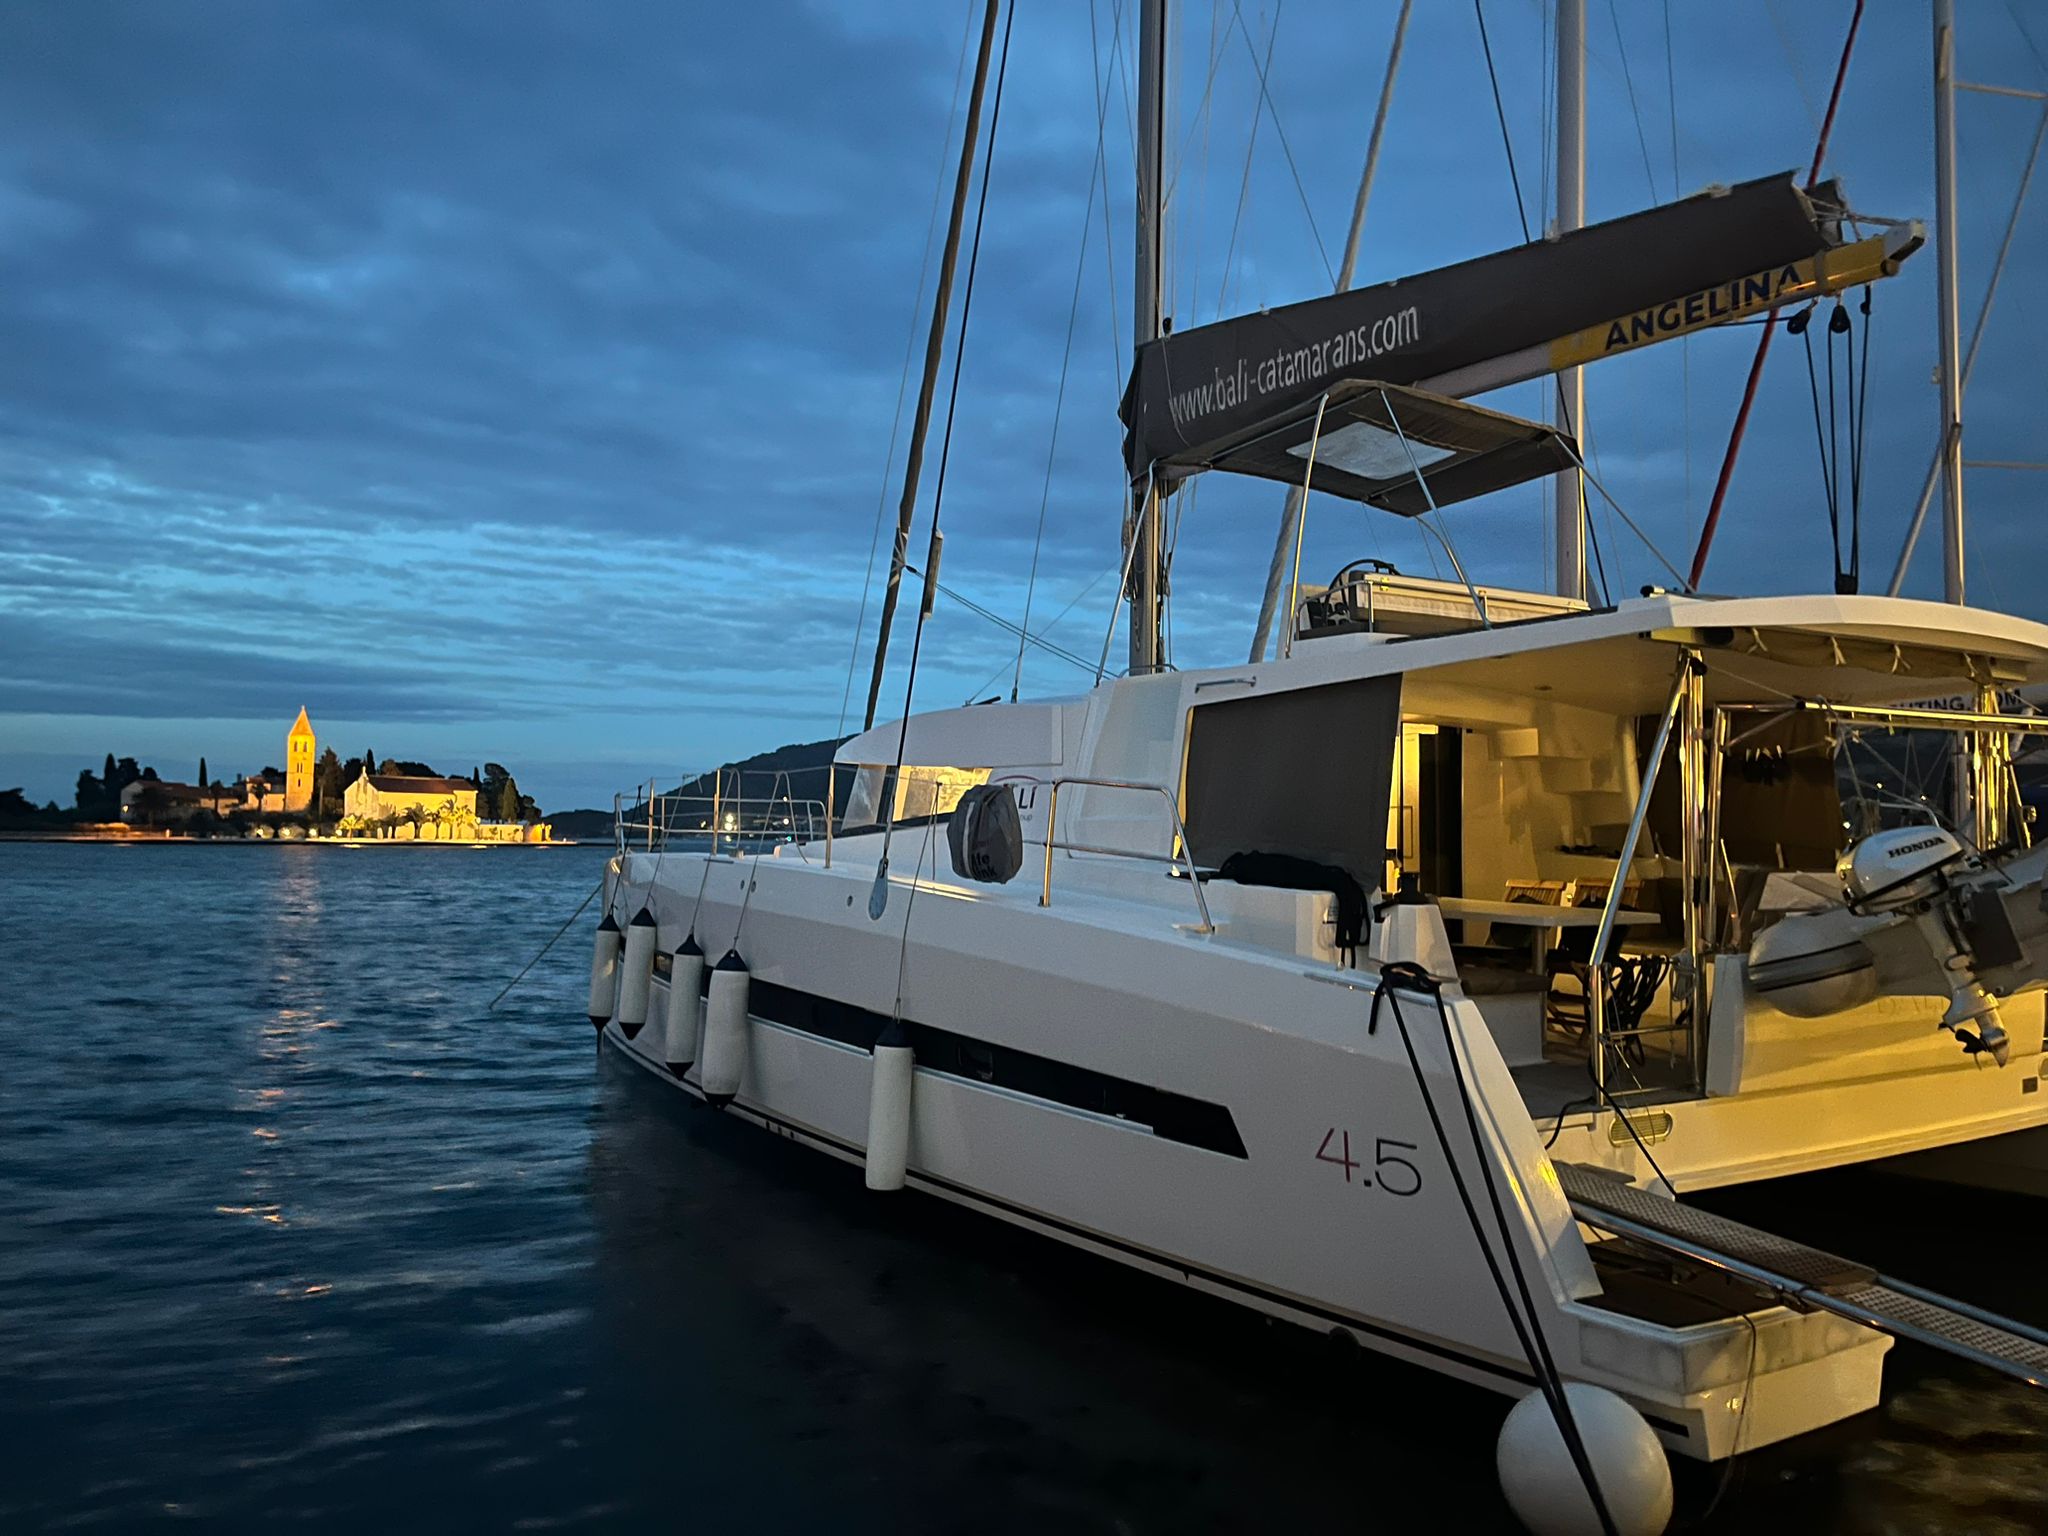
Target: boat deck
{"type": "Point", "coordinates": [1561, 1085]}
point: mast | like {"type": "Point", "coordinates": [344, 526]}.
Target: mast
{"type": "Point", "coordinates": [935, 347]}
{"type": "Point", "coordinates": [1571, 215]}
{"type": "Point", "coordinates": [1975, 802]}
{"type": "Point", "coordinates": [1143, 560]}
{"type": "Point", "coordinates": [1951, 440]}
{"type": "Point", "coordinates": [1294, 509]}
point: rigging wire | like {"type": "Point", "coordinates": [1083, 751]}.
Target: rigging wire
{"type": "Point", "coordinates": [1183, 502]}
{"type": "Point", "coordinates": [1009, 626]}
{"type": "Point", "coordinates": [1629, 79]}
{"type": "Point", "coordinates": [1101, 71]}
{"type": "Point", "coordinates": [1522, 213]}
{"type": "Point", "coordinates": [1827, 433]}
{"type": "Point", "coordinates": [1792, 64]}
{"type": "Point", "coordinates": [1546, 90]}
{"type": "Point", "coordinates": [1244, 185]}
{"type": "Point", "coordinates": [879, 899]}
{"type": "Point", "coordinates": [924, 268]}
{"type": "Point", "coordinates": [1501, 112]}
{"type": "Point", "coordinates": [934, 355]}
{"type": "Point", "coordinates": [1199, 121]}
{"type": "Point", "coordinates": [1058, 406]}
{"type": "Point", "coordinates": [1116, 601]}
{"type": "Point", "coordinates": [1599, 565]}
{"type": "Point", "coordinates": [2026, 36]}
{"type": "Point", "coordinates": [1280, 129]}
{"type": "Point", "coordinates": [1092, 583]}
{"type": "Point", "coordinates": [1207, 117]}
{"type": "Point", "coordinates": [1859, 407]}
{"type": "Point", "coordinates": [1615, 509]}
{"type": "Point", "coordinates": [1763, 345]}
{"type": "Point", "coordinates": [1798, 326]}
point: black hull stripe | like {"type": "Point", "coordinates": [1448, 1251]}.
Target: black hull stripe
{"type": "Point", "coordinates": [1168, 1115]}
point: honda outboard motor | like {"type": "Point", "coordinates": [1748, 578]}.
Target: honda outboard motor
{"type": "Point", "coordinates": [1811, 964]}
{"type": "Point", "coordinates": [1926, 874]}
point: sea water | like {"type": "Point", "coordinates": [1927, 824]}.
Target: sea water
{"type": "Point", "coordinates": [297, 1231]}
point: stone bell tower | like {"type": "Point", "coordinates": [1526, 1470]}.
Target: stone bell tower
{"type": "Point", "coordinates": [298, 764]}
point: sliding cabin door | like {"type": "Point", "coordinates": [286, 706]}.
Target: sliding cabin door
{"type": "Point", "coordinates": [1426, 819]}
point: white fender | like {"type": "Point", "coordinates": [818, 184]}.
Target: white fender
{"type": "Point", "coordinates": [685, 1006]}
{"type": "Point", "coordinates": [889, 1094]}
{"type": "Point", "coordinates": [1542, 1481]}
{"type": "Point", "coordinates": [723, 1060]}
{"type": "Point", "coordinates": [636, 974]}
{"type": "Point", "coordinates": [604, 971]}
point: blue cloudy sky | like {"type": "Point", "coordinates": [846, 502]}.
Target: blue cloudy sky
{"type": "Point", "coordinates": [518, 380]}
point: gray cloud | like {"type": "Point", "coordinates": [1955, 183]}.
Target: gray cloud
{"type": "Point", "coordinates": [508, 376]}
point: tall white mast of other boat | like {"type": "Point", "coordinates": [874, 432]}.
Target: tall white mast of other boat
{"type": "Point", "coordinates": [1950, 365]}
{"type": "Point", "coordinates": [1570, 413]}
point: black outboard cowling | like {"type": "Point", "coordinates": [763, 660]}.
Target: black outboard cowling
{"type": "Point", "coordinates": [985, 835]}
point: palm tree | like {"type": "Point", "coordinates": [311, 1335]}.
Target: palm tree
{"type": "Point", "coordinates": [459, 819]}
{"type": "Point", "coordinates": [417, 816]}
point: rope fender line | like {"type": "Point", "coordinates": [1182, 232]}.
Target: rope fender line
{"type": "Point", "coordinates": [586, 901]}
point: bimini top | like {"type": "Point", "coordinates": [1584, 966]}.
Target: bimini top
{"type": "Point", "coordinates": [1728, 253]}
{"type": "Point", "coordinates": [1402, 450]}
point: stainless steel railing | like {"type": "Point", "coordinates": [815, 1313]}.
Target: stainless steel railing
{"type": "Point", "coordinates": [724, 822]}
{"type": "Point", "coordinates": [1181, 857]}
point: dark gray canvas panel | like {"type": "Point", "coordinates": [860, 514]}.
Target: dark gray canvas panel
{"type": "Point", "coordinates": [1307, 773]}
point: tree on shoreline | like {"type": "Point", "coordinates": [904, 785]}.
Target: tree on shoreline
{"type": "Point", "coordinates": [19, 813]}
{"type": "Point", "coordinates": [328, 785]}
{"type": "Point", "coordinates": [99, 799]}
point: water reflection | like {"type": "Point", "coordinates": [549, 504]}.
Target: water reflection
{"type": "Point", "coordinates": [293, 1231]}
{"type": "Point", "coordinates": [891, 1360]}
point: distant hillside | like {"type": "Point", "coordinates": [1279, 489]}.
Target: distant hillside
{"type": "Point", "coordinates": [757, 777]}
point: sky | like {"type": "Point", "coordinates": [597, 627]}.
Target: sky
{"type": "Point", "coordinates": [523, 381]}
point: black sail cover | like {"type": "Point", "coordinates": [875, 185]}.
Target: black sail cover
{"type": "Point", "coordinates": [1196, 390]}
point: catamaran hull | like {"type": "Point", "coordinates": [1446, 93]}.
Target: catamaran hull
{"type": "Point", "coordinates": [1122, 1093]}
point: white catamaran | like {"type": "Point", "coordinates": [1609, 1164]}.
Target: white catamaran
{"type": "Point", "coordinates": [1402, 984]}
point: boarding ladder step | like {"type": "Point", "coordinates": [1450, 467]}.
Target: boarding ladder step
{"type": "Point", "coordinates": [1809, 1278]}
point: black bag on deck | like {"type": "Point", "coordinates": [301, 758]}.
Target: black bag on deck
{"type": "Point", "coordinates": [1290, 873]}
{"type": "Point", "coordinates": [985, 836]}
